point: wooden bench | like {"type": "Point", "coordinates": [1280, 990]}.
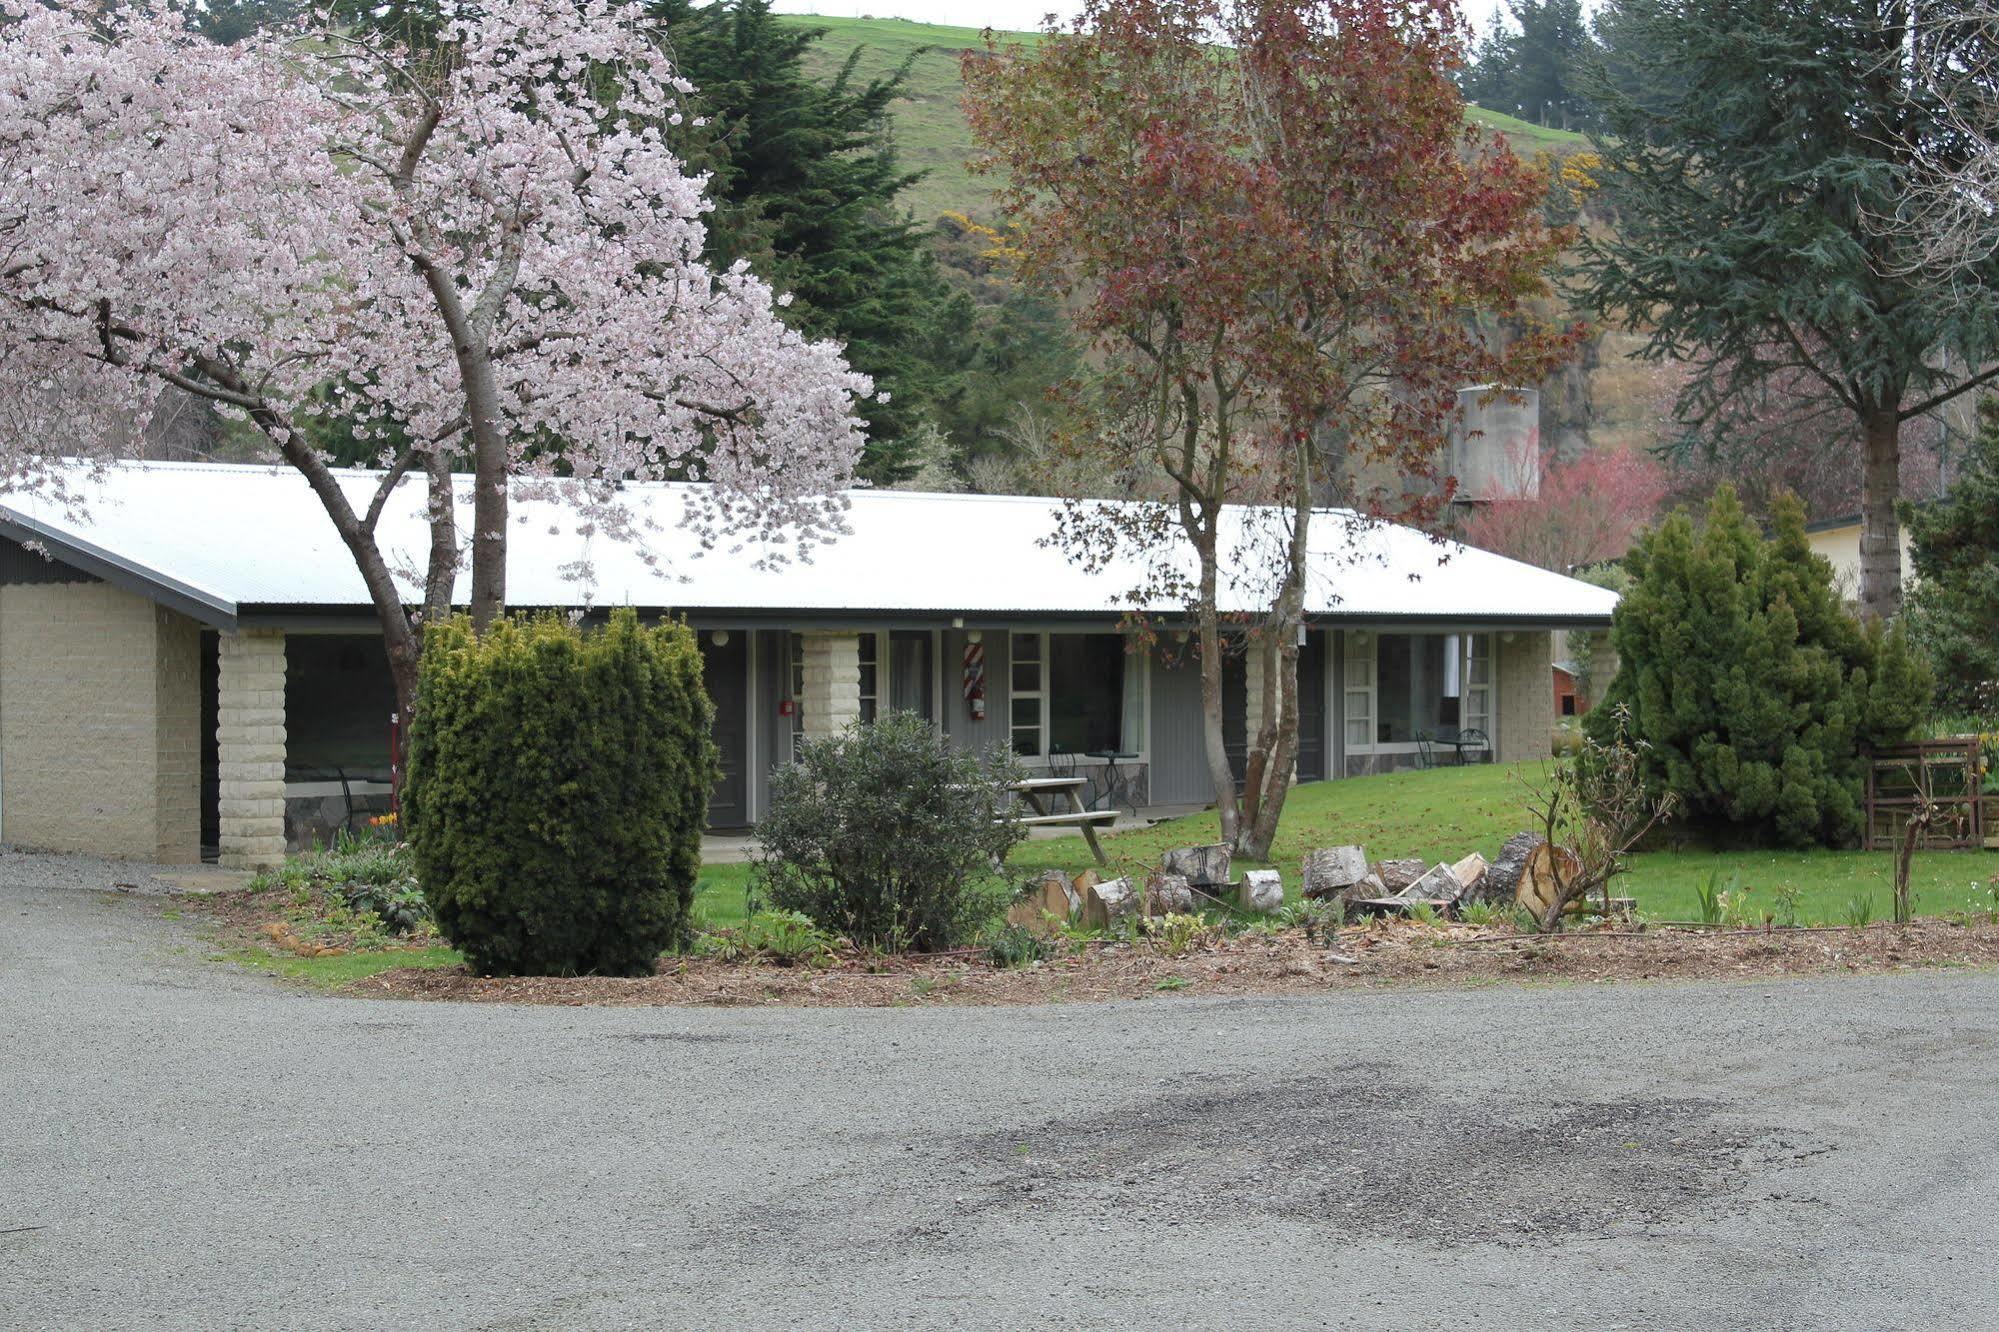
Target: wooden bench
{"type": "Point", "coordinates": [1040, 793]}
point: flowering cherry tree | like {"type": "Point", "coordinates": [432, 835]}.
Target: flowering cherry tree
{"type": "Point", "coordinates": [478, 255]}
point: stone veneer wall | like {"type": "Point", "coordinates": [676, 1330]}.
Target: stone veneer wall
{"type": "Point", "coordinates": [831, 680]}
{"type": "Point", "coordinates": [1526, 695]}
{"type": "Point", "coordinates": [100, 700]}
{"type": "Point", "coordinates": [250, 748]}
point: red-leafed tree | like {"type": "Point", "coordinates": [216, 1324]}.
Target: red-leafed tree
{"type": "Point", "coordinates": [1273, 223]}
{"type": "Point", "coordinates": [1588, 510]}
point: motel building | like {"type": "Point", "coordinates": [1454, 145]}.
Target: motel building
{"type": "Point", "coordinates": [190, 668]}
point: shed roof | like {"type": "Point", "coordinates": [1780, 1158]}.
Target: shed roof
{"type": "Point", "coordinates": [232, 542]}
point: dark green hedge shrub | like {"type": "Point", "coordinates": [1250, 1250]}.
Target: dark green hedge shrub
{"type": "Point", "coordinates": [1752, 692]}
{"type": "Point", "coordinates": [888, 836]}
{"type": "Point", "coordinates": [558, 784]}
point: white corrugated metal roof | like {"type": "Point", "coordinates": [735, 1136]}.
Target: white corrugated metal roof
{"type": "Point", "coordinates": [238, 538]}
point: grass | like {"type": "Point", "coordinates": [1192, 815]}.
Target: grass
{"type": "Point", "coordinates": [1446, 813]}
{"type": "Point", "coordinates": [930, 127]}
{"type": "Point", "coordinates": [332, 972]}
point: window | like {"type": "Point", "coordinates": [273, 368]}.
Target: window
{"type": "Point", "coordinates": [1026, 694]}
{"type": "Point", "coordinates": [909, 673]}
{"type": "Point", "coordinates": [1359, 658]}
{"type": "Point", "coordinates": [797, 683]}
{"type": "Point", "coordinates": [1478, 683]}
{"type": "Point", "coordinates": [1076, 694]}
{"type": "Point", "coordinates": [870, 656]}
{"type": "Point", "coordinates": [1401, 685]}
{"type": "Point", "coordinates": [1568, 705]}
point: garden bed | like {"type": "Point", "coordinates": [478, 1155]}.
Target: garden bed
{"type": "Point", "coordinates": [1379, 954]}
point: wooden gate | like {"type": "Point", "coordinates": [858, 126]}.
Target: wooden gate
{"type": "Point", "coordinates": [1946, 776]}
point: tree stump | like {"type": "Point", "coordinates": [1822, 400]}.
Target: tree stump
{"type": "Point", "coordinates": [1201, 866]}
{"type": "Point", "coordinates": [1262, 891]}
{"type": "Point", "coordinates": [1331, 871]}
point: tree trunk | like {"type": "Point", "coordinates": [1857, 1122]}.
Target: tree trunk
{"type": "Point", "coordinates": [1208, 623]}
{"type": "Point", "coordinates": [399, 639]}
{"type": "Point", "coordinates": [1880, 529]}
{"type": "Point", "coordinates": [489, 493]}
{"type": "Point", "coordinates": [1275, 752]}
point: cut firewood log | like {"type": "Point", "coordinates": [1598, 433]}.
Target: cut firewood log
{"type": "Point", "coordinates": [1396, 875]}
{"type": "Point", "coordinates": [1502, 879]}
{"type": "Point", "coordinates": [1201, 866]}
{"type": "Point", "coordinates": [1331, 871]}
{"type": "Point", "coordinates": [1539, 883]}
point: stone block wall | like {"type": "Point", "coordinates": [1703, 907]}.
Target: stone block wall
{"type": "Point", "coordinates": [1526, 695]}
{"type": "Point", "coordinates": [831, 680]}
{"type": "Point", "coordinates": [100, 746]}
{"type": "Point", "coordinates": [250, 748]}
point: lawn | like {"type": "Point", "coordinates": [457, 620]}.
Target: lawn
{"type": "Point", "coordinates": [1447, 812]}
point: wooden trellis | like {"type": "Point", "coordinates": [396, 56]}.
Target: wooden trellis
{"type": "Point", "coordinates": [1946, 776]}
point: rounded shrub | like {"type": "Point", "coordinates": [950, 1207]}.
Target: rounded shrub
{"type": "Point", "coordinates": [558, 784]}
{"type": "Point", "coordinates": [887, 835]}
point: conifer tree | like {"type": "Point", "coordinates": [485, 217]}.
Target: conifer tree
{"type": "Point", "coordinates": [805, 179]}
{"type": "Point", "coordinates": [1750, 244]}
{"type": "Point", "coordinates": [1954, 601]}
{"type": "Point", "coordinates": [1754, 691]}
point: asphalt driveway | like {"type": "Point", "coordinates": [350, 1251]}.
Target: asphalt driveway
{"type": "Point", "coordinates": [182, 1145]}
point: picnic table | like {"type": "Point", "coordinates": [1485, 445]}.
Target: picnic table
{"type": "Point", "coordinates": [1044, 794]}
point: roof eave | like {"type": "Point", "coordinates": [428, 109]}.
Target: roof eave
{"type": "Point", "coordinates": [127, 575]}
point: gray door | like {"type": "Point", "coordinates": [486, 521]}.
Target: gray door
{"type": "Point", "coordinates": [1312, 709]}
{"type": "Point", "coordinates": [725, 673]}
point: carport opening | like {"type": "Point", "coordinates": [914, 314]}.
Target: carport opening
{"type": "Point", "coordinates": [339, 698]}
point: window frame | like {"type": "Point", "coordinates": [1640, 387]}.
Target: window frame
{"type": "Point", "coordinates": [1488, 688]}
{"type": "Point", "coordinates": [1044, 691]}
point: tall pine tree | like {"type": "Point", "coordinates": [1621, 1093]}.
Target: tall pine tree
{"type": "Point", "coordinates": [1750, 244]}
{"type": "Point", "coordinates": [805, 181]}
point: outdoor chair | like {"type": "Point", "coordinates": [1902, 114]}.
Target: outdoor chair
{"type": "Point", "coordinates": [1426, 750]}
{"type": "Point", "coordinates": [1473, 747]}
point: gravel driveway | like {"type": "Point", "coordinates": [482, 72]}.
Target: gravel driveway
{"type": "Point", "coordinates": [182, 1145]}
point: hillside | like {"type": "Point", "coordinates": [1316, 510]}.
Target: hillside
{"type": "Point", "coordinates": [930, 126]}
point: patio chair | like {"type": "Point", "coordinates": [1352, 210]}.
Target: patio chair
{"type": "Point", "coordinates": [1426, 750]}
{"type": "Point", "coordinates": [1474, 747]}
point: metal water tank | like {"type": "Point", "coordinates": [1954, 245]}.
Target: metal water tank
{"type": "Point", "coordinates": [1495, 444]}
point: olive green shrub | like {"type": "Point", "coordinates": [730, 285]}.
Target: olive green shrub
{"type": "Point", "coordinates": [886, 835]}
{"type": "Point", "coordinates": [1752, 692]}
{"type": "Point", "coordinates": [558, 783]}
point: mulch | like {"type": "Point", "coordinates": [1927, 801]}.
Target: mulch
{"type": "Point", "coordinates": [1376, 955]}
